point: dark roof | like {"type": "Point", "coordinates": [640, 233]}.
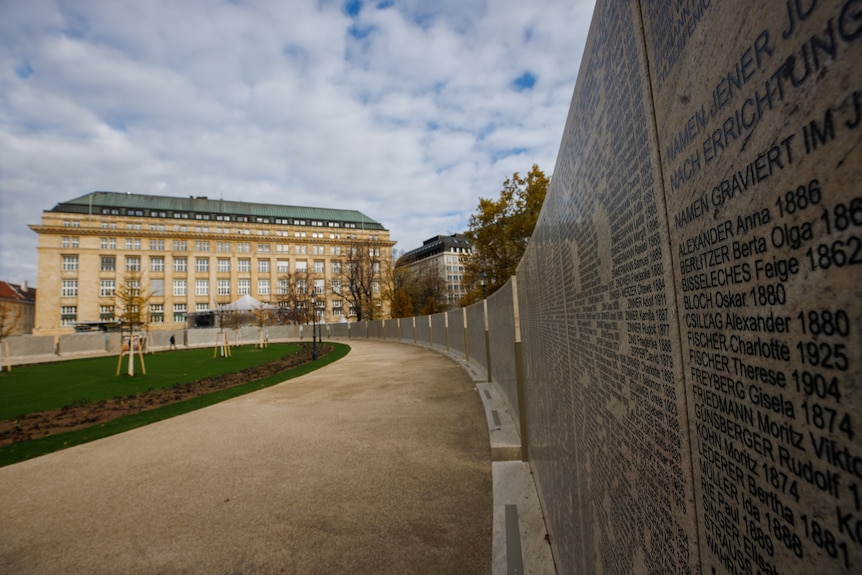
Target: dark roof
{"type": "Point", "coordinates": [434, 246]}
{"type": "Point", "coordinates": [94, 202]}
{"type": "Point", "coordinates": [16, 292]}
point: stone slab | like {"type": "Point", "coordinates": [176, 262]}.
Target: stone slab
{"type": "Point", "coordinates": [757, 108]}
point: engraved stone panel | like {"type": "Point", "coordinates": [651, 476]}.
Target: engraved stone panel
{"type": "Point", "coordinates": [476, 334]}
{"type": "Point", "coordinates": [438, 330]}
{"type": "Point", "coordinates": [599, 328]}
{"type": "Point", "coordinates": [457, 337]}
{"type": "Point", "coordinates": [757, 108]}
{"type": "Point", "coordinates": [501, 339]}
{"type": "Point", "coordinates": [423, 330]}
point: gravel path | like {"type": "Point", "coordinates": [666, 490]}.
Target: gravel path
{"type": "Point", "coordinates": [378, 463]}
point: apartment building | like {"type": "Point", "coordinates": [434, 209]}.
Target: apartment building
{"type": "Point", "coordinates": [442, 255]}
{"type": "Point", "coordinates": [192, 254]}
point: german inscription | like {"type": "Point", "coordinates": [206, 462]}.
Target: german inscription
{"type": "Point", "coordinates": [758, 111]}
{"type": "Point", "coordinates": [630, 432]}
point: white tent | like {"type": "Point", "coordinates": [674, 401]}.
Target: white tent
{"type": "Point", "coordinates": [245, 303]}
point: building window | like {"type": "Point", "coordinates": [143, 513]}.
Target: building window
{"type": "Point", "coordinates": [336, 286]}
{"type": "Point", "coordinates": [181, 264]}
{"type": "Point", "coordinates": [263, 287]}
{"type": "Point", "coordinates": [202, 265]}
{"type": "Point", "coordinates": [133, 244]}
{"type": "Point", "coordinates": [133, 287]}
{"type": "Point", "coordinates": [106, 288]}
{"type": "Point", "coordinates": [243, 247]}
{"type": "Point", "coordinates": [301, 249]}
{"type": "Point", "coordinates": [68, 315]}
{"type": "Point", "coordinates": [70, 263]}
{"type": "Point", "coordinates": [282, 266]}
{"type": "Point", "coordinates": [375, 286]}
{"type": "Point", "coordinates": [243, 265]}
{"type": "Point", "coordinates": [202, 246]}
{"type": "Point", "coordinates": [223, 265]}
{"type": "Point", "coordinates": [319, 286]}
{"type": "Point", "coordinates": [179, 312]}
{"type": "Point", "coordinates": [157, 264]}
{"type": "Point", "coordinates": [319, 266]}
{"type": "Point", "coordinates": [133, 264]}
{"type": "Point", "coordinates": [202, 287]}
{"type": "Point", "coordinates": [108, 264]}
{"type": "Point", "coordinates": [335, 250]}
{"type": "Point", "coordinates": [106, 312]}
{"type": "Point", "coordinates": [157, 245]}
{"type": "Point", "coordinates": [283, 287]}
{"type": "Point", "coordinates": [223, 287]}
{"type": "Point", "coordinates": [181, 245]}
{"type": "Point", "coordinates": [157, 313]}
{"type": "Point", "coordinates": [263, 266]}
{"type": "Point", "coordinates": [223, 247]}
{"type": "Point", "coordinates": [336, 268]}
{"type": "Point", "coordinates": [201, 307]}
{"type": "Point", "coordinates": [317, 250]}
{"type": "Point", "coordinates": [301, 266]}
{"type": "Point", "coordinates": [243, 287]}
{"type": "Point", "coordinates": [157, 287]}
{"type": "Point", "coordinates": [69, 242]}
{"type": "Point", "coordinates": [179, 287]}
{"type": "Point", "coordinates": [263, 248]}
{"type": "Point", "coordinates": [336, 307]}
{"type": "Point", "coordinates": [69, 288]}
{"type": "Point", "coordinates": [301, 287]}
{"type": "Point", "coordinates": [108, 243]}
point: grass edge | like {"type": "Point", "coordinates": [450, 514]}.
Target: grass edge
{"type": "Point", "coordinates": [27, 450]}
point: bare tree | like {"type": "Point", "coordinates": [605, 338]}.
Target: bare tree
{"type": "Point", "coordinates": [362, 271]}
{"type": "Point", "coordinates": [419, 289]}
{"type": "Point", "coordinates": [132, 303]}
{"type": "Point", "coordinates": [293, 297]}
{"type": "Point", "coordinates": [223, 317]}
{"type": "Point", "coordinates": [263, 316]}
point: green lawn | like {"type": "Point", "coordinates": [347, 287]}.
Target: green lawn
{"type": "Point", "coordinates": [51, 386]}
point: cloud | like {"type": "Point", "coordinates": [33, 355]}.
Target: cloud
{"type": "Point", "coordinates": [406, 110]}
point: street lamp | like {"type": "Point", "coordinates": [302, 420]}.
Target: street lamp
{"type": "Point", "coordinates": [482, 277]}
{"type": "Point", "coordinates": [313, 330]}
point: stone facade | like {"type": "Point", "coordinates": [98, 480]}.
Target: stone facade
{"type": "Point", "coordinates": [192, 254]}
{"type": "Point", "coordinates": [443, 256]}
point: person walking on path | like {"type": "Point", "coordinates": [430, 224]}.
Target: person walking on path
{"type": "Point", "coordinates": [173, 343]}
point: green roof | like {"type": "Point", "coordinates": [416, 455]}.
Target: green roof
{"type": "Point", "coordinates": [94, 202]}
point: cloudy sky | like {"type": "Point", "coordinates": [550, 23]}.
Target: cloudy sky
{"type": "Point", "coordinates": [407, 110]}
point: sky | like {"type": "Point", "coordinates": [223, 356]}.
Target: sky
{"type": "Point", "coordinates": [406, 110]}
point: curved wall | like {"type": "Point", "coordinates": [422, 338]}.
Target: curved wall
{"type": "Point", "coordinates": [689, 305]}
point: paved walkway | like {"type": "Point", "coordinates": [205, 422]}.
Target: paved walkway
{"type": "Point", "coordinates": [379, 463]}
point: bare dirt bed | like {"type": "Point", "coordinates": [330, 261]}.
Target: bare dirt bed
{"type": "Point", "coordinates": [80, 415]}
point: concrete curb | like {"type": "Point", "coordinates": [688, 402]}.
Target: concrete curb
{"type": "Point", "coordinates": [520, 539]}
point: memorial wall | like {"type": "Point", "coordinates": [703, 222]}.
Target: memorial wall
{"type": "Point", "coordinates": [690, 301]}
{"type": "Point", "coordinates": [690, 304]}
{"type": "Point", "coordinates": [605, 392]}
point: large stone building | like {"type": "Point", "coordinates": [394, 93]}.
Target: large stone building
{"type": "Point", "coordinates": [192, 254]}
{"type": "Point", "coordinates": [442, 255]}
